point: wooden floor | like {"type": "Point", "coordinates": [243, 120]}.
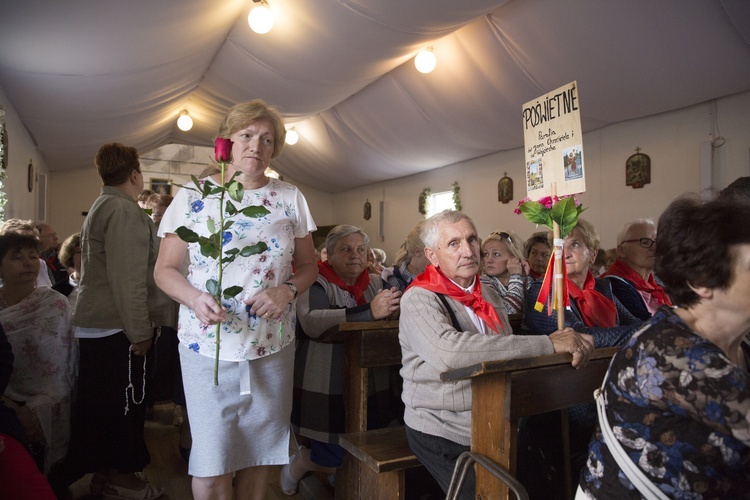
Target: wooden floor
{"type": "Point", "coordinates": [167, 467]}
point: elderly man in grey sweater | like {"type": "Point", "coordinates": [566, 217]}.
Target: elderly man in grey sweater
{"type": "Point", "coordinates": [449, 321]}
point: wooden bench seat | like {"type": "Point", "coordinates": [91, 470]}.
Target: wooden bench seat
{"type": "Point", "coordinates": [385, 456]}
{"type": "Point", "coordinates": [382, 450]}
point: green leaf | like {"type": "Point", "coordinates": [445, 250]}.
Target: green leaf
{"type": "Point", "coordinates": [536, 213]}
{"type": "Point", "coordinates": [232, 251]}
{"type": "Point", "coordinates": [212, 286]}
{"type": "Point", "coordinates": [227, 224]}
{"type": "Point", "coordinates": [255, 211]}
{"type": "Point", "coordinates": [229, 259]}
{"type": "Point", "coordinates": [214, 189]}
{"type": "Point", "coordinates": [565, 213]}
{"type": "Point", "coordinates": [210, 249]}
{"type": "Point", "coordinates": [187, 235]}
{"type": "Point", "coordinates": [236, 191]}
{"type": "Point", "coordinates": [211, 225]}
{"type": "Point", "coordinates": [229, 208]}
{"type": "Point", "coordinates": [232, 291]}
{"type": "Point", "coordinates": [259, 247]}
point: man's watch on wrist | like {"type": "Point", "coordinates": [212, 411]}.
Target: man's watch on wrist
{"type": "Point", "coordinates": [292, 287]}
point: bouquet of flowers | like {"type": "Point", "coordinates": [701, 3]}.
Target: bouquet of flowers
{"type": "Point", "coordinates": [547, 211]}
{"type": "Point", "coordinates": [550, 209]}
{"type": "Point", "coordinates": [213, 245]}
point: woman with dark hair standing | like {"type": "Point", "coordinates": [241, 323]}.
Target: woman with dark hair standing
{"type": "Point", "coordinates": [115, 321]}
{"type": "Point", "coordinates": [675, 405]}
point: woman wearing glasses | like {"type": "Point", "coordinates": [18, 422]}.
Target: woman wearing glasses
{"type": "Point", "coordinates": [593, 307]}
{"type": "Point", "coordinates": [506, 269]}
{"type": "Point", "coordinates": [631, 275]}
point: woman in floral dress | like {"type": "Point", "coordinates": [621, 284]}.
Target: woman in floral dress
{"type": "Point", "coordinates": [240, 427]}
{"type": "Point", "coordinates": [37, 323]}
{"type": "Point", "coordinates": [677, 395]}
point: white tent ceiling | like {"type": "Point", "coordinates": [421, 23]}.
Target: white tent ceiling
{"type": "Point", "coordinates": [84, 72]}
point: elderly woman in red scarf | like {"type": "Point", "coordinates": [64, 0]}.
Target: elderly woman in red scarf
{"type": "Point", "coordinates": [631, 275]}
{"type": "Point", "coordinates": [343, 292]}
{"type": "Point", "coordinates": [593, 307]}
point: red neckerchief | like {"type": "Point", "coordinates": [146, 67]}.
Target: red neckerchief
{"type": "Point", "coordinates": [595, 308]}
{"type": "Point", "coordinates": [535, 275]}
{"type": "Point", "coordinates": [619, 268]}
{"type": "Point", "coordinates": [434, 280]}
{"type": "Point", "coordinates": [357, 290]}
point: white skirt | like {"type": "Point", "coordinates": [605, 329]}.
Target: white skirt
{"type": "Point", "coordinates": [233, 431]}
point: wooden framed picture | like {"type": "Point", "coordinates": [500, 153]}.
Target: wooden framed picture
{"type": "Point", "coordinates": [31, 177]}
{"type": "Point", "coordinates": [161, 186]}
{"type": "Point", "coordinates": [3, 145]}
{"type": "Point", "coordinates": [505, 189]}
{"type": "Point", "coordinates": [638, 170]}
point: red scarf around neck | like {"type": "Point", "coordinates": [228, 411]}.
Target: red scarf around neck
{"type": "Point", "coordinates": [621, 269]}
{"type": "Point", "coordinates": [434, 280]}
{"type": "Point", "coordinates": [595, 308]}
{"type": "Point", "coordinates": [357, 290]}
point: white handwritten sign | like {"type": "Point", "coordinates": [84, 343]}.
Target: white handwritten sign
{"type": "Point", "coordinates": [554, 144]}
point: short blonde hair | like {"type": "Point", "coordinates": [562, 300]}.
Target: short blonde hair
{"type": "Point", "coordinates": [511, 240]}
{"type": "Point", "coordinates": [411, 246]}
{"type": "Point", "coordinates": [589, 233]}
{"type": "Point", "coordinates": [243, 114]}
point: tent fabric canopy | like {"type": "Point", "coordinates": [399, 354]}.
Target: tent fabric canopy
{"type": "Point", "coordinates": [82, 73]}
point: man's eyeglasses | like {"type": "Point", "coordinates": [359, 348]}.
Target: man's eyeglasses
{"type": "Point", "coordinates": [644, 242]}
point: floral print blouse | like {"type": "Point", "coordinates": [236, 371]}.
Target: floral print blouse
{"type": "Point", "coordinates": [243, 336]}
{"type": "Point", "coordinates": [681, 411]}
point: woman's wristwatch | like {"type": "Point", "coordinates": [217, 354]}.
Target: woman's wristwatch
{"type": "Point", "coordinates": [292, 287]}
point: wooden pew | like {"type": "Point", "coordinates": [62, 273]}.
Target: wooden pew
{"type": "Point", "coordinates": [382, 455]}
{"type": "Point", "coordinates": [505, 391]}
{"type": "Point", "coordinates": [378, 457]}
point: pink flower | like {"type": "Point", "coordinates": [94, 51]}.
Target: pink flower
{"type": "Point", "coordinates": [223, 149]}
{"type": "Point", "coordinates": [546, 202]}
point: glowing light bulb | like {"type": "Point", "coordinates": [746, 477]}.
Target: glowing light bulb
{"type": "Point", "coordinates": [260, 19]}
{"type": "Point", "coordinates": [184, 122]}
{"type": "Point", "coordinates": [292, 136]}
{"type": "Point", "coordinates": [425, 61]}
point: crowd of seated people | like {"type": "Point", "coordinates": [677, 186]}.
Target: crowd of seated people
{"type": "Point", "coordinates": [452, 293]}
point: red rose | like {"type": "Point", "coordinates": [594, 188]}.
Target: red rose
{"type": "Point", "coordinates": [223, 149]}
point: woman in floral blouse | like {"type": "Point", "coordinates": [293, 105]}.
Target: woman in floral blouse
{"type": "Point", "coordinates": [241, 427]}
{"type": "Point", "coordinates": [37, 323]}
{"type": "Point", "coordinates": [677, 396]}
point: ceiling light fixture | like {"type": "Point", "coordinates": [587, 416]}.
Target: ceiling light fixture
{"type": "Point", "coordinates": [184, 122]}
{"type": "Point", "coordinates": [425, 60]}
{"type": "Point", "coordinates": [292, 137]}
{"type": "Point", "coordinates": [260, 18]}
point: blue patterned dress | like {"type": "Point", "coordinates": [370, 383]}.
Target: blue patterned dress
{"type": "Point", "coordinates": [681, 410]}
